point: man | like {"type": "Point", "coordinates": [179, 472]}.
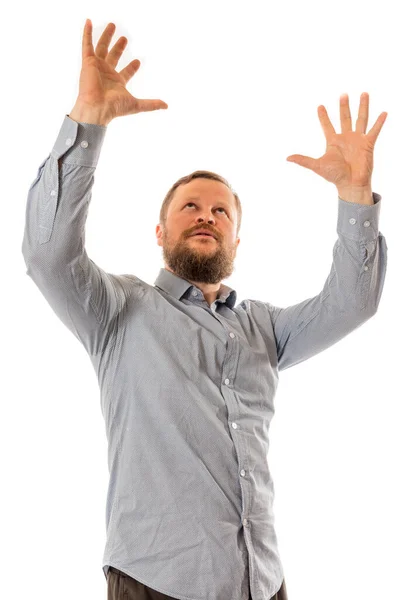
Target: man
{"type": "Point", "coordinates": [187, 377]}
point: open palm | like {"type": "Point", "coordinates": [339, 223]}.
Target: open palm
{"type": "Point", "coordinates": [100, 85]}
{"type": "Point", "coordinates": [348, 160]}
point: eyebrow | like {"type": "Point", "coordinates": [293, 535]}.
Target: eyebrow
{"type": "Point", "coordinates": [224, 202]}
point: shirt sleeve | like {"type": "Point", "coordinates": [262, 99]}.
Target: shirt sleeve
{"type": "Point", "coordinates": [86, 299]}
{"type": "Point", "coordinates": [350, 296]}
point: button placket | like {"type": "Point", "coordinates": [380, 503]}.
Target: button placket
{"type": "Point", "coordinates": [246, 522]}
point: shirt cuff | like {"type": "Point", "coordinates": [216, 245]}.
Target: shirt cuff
{"type": "Point", "coordinates": [359, 222]}
{"type": "Point", "coordinates": [79, 143]}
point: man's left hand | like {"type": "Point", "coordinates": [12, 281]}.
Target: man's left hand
{"type": "Point", "coordinates": [348, 160]}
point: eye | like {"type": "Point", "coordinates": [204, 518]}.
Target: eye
{"type": "Point", "coordinates": [219, 208]}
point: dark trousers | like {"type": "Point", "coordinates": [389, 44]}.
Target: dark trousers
{"type": "Point", "coordinates": [122, 587]}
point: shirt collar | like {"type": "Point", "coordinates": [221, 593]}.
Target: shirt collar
{"type": "Point", "coordinates": [177, 287]}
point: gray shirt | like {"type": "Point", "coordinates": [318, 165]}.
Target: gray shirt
{"type": "Point", "coordinates": [187, 389]}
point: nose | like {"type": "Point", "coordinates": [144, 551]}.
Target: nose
{"type": "Point", "coordinates": [210, 221]}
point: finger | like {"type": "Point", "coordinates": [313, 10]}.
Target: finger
{"type": "Point", "coordinates": [104, 41]}
{"type": "Point", "coordinates": [128, 72]}
{"type": "Point", "coordinates": [87, 46]}
{"type": "Point", "coordinates": [361, 124]}
{"type": "Point", "coordinates": [345, 116]}
{"type": "Point", "coordinates": [375, 130]}
{"type": "Point", "coordinates": [148, 105]}
{"type": "Point", "coordinates": [326, 124]}
{"type": "Point", "coordinates": [304, 161]}
{"type": "Point", "coordinates": [116, 52]}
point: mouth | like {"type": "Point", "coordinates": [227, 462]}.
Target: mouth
{"type": "Point", "coordinates": [205, 235]}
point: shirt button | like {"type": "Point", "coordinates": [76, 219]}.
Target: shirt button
{"type": "Point", "coordinates": [243, 472]}
{"type": "Point", "coordinates": [245, 522]}
{"type": "Point", "coordinates": [367, 223]}
{"type": "Point", "coordinates": [53, 193]}
{"type": "Point", "coordinates": [68, 142]}
{"type": "Point", "coordinates": [234, 425]}
{"type": "Point", "coordinates": [365, 268]}
{"type": "Point", "coordinates": [352, 221]}
{"type": "Point", "coordinates": [226, 381]}
{"type": "Point", "coordinates": [232, 335]}
{"type": "Point", "coordinates": [194, 293]}
{"type": "Point", "coordinates": [84, 144]}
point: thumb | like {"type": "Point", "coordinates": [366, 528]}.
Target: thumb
{"type": "Point", "coordinates": [303, 161]}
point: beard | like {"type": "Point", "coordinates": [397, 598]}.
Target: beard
{"type": "Point", "coordinates": [200, 260]}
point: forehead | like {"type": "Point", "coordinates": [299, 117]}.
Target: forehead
{"type": "Point", "coordinates": [204, 189]}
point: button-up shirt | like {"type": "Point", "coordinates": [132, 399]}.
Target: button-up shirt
{"type": "Point", "coordinates": [186, 388]}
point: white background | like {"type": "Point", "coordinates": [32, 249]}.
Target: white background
{"type": "Point", "coordinates": [243, 82]}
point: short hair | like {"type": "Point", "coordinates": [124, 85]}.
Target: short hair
{"type": "Point", "coordinates": [195, 175]}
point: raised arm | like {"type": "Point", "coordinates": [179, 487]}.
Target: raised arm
{"type": "Point", "coordinates": [85, 298]}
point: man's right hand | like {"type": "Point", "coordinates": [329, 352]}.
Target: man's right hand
{"type": "Point", "coordinates": [102, 92]}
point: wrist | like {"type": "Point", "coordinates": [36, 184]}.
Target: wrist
{"type": "Point", "coordinates": [85, 114]}
{"type": "Point", "coordinates": [357, 194]}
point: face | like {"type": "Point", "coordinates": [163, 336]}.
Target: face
{"type": "Point", "coordinates": [200, 204]}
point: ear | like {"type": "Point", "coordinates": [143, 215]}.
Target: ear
{"type": "Point", "coordinates": [159, 233]}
